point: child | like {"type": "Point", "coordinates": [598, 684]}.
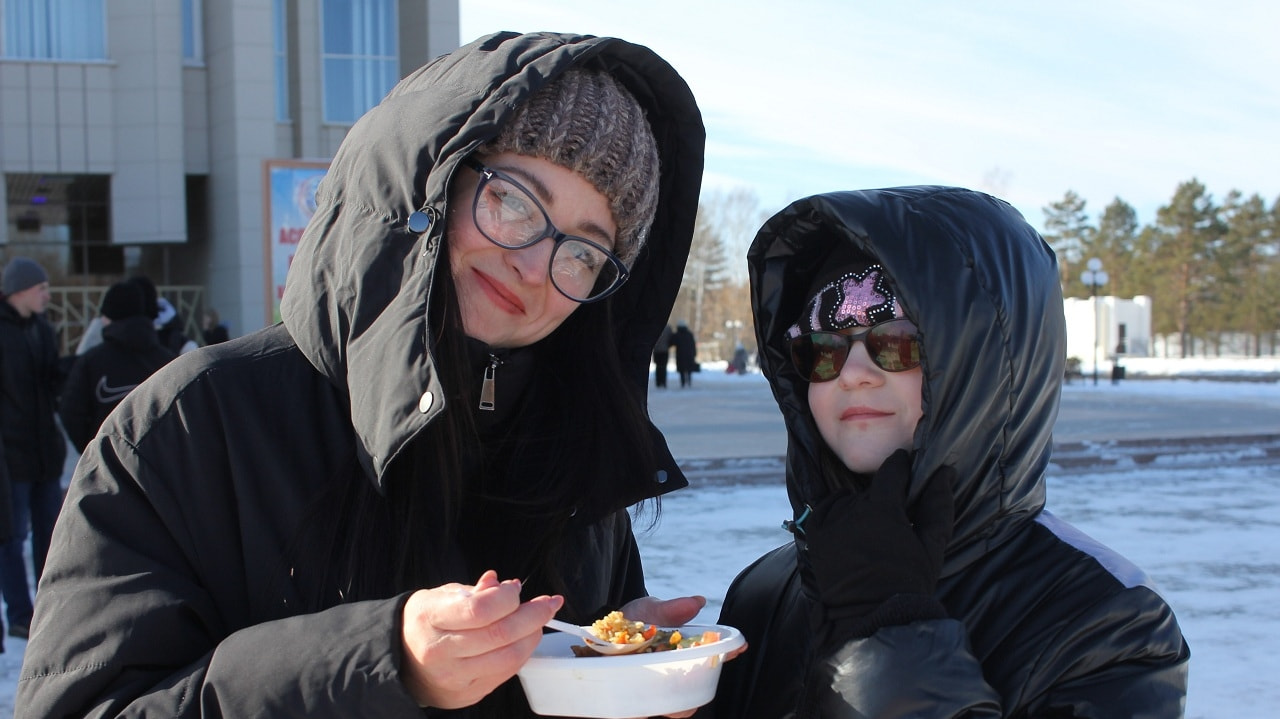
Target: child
{"type": "Point", "coordinates": [914, 340]}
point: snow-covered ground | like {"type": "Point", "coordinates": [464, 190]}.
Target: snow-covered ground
{"type": "Point", "coordinates": [1207, 538]}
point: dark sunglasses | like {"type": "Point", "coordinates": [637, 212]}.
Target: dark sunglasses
{"type": "Point", "coordinates": [893, 346]}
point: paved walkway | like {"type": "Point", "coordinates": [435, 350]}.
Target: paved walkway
{"type": "Point", "coordinates": [735, 417]}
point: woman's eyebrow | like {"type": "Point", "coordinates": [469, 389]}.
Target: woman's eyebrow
{"type": "Point", "coordinates": [534, 184]}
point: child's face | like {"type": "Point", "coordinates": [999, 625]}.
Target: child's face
{"type": "Point", "coordinates": [866, 414]}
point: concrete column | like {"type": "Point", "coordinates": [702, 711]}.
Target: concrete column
{"type": "Point", "coordinates": [148, 199]}
{"type": "Point", "coordinates": [238, 55]}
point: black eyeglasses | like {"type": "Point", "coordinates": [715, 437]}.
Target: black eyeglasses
{"type": "Point", "coordinates": [893, 346]}
{"type": "Point", "coordinates": [510, 216]}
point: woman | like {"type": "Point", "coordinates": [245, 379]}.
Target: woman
{"type": "Point", "coordinates": [375, 505]}
{"type": "Point", "coordinates": [914, 340]}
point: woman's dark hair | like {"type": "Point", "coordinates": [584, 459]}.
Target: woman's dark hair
{"type": "Point", "coordinates": [579, 433]}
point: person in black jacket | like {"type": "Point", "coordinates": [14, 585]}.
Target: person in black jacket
{"type": "Point", "coordinates": [32, 448]}
{"type": "Point", "coordinates": [914, 339]}
{"type": "Point", "coordinates": [661, 356]}
{"type": "Point", "coordinates": [129, 353]}
{"type": "Point", "coordinates": [686, 347]}
{"type": "Point", "coordinates": [375, 505]}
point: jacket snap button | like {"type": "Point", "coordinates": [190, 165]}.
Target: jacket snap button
{"type": "Point", "coordinates": [660, 477]}
{"type": "Point", "coordinates": [419, 222]}
{"type": "Point", "coordinates": [425, 401]}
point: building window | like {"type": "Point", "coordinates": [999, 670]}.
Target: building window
{"type": "Point", "coordinates": [45, 30]}
{"type": "Point", "coordinates": [192, 33]}
{"type": "Point", "coordinates": [281, 45]}
{"type": "Point", "coordinates": [359, 46]}
{"type": "Point", "coordinates": [64, 221]}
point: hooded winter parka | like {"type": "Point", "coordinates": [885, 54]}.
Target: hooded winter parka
{"type": "Point", "coordinates": [32, 448]}
{"type": "Point", "coordinates": [171, 589]}
{"type": "Point", "coordinates": [1042, 620]}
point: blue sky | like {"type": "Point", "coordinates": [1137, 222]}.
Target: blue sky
{"type": "Point", "coordinates": [1109, 99]}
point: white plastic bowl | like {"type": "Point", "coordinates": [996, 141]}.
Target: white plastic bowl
{"type": "Point", "coordinates": [557, 683]}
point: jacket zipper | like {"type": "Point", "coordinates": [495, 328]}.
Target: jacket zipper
{"type": "Point", "coordinates": [486, 386]}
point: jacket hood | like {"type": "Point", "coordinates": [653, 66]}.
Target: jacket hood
{"type": "Point", "coordinates": [133, 333]}
{"type": "Point", "coordinates": [983, 288]}
{"type": "Point", "coordinates": [356, 297]}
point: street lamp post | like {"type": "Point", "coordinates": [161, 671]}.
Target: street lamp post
{"type": "Point", "coordinates": [734, 325]}
{"type": "Point", "coordinates": [1094, 277]}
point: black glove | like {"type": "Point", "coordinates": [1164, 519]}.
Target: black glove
{"type": "Point", "coordinates": [870, 561]}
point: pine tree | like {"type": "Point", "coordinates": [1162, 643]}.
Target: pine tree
{"type": "Point", "coordinates": [1188, 230]}
{"type": "Point", "coordinates": [1068, 232]}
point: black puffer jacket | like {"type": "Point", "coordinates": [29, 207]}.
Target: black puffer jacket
{"type": "Point", "coordinates": [172, 588]}
{"type": "Point", "coordinates": [130, 352]}
{"type": "Point", "coordinates": [33, 448]}
{"type": "Point", "coordinates": [1043, 621]}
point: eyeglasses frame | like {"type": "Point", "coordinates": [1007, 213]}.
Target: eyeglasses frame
{"type": "Point", "coordinates": [487, 174]}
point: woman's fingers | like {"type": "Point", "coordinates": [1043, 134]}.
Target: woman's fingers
{"type": "Point", "coordinates": [664, 612]}
{"type": "Point", "coordinates": [461, 642]}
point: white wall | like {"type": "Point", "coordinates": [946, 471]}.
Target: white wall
{"type": "Point", "coordinates": [1111, 312]}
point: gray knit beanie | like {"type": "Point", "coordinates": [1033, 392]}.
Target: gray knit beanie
{"type": "Point", "coordinates": [22, 273]}
{"type": "Point", "coordinates": [586, 121]}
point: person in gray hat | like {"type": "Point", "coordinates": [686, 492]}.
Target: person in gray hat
{"type": "Point", "coordinates": [33, 446]}
{"type": "Point", "coordinates": [375, 505]}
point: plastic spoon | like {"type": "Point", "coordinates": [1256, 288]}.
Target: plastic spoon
{"type": "Point", "coordinates": [596, 643]}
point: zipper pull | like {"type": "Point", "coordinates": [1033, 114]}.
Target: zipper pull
{"type": "Point", "coordinates": [486, 387]}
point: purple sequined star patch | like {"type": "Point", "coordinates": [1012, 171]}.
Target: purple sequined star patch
{"type": "Point", "coordinates": [857, 298]}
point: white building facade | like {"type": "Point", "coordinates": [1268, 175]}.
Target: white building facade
{"type": "Point", "coordinates": [134, 133]}
{"type": "Point", "coordinates": [1109, 326]}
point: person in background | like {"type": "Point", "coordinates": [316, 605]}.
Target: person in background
{"type": "Point", "coordinates": [92, 336]}
{"type": "Point", "coordinates": [375, 505]}
{"type": "Point", "coordinates": [168, 323]}
{"type": "Point", "coordinates": [661, 355]}
{"type": "Point", "coordinates": [130, 352]}
{"type": "Point", "coordinates": [914, 339]}
{"type": "Point", "coordinates": [169, 328]}
{"type": "Point", "coordinates": [686, 348]}
{"type": "Point", "coordinates": [33, 447]}
{"type": "Point", "coordinates": [214, 329]}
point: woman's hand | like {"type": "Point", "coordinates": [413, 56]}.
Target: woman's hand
{"type": "Point", "coordinates": [461, 642]}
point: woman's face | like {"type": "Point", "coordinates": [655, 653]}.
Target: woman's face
{"type": "Point", "coordinates": [506, 297]}
{"type": "Point", "coordinates": [866, 414]}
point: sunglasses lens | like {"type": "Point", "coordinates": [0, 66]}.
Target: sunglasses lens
{"type": "Point", "coordinates": [819, 356]}
{"type": "Point", "coordinates": [893, 346]}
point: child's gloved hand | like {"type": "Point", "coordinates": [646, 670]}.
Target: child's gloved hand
{"type": "Point", "coordinates": [870, 561]}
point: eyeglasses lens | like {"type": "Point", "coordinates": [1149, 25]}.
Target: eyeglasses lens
{"type": "Point", "coordinates": [893, 346]}
{"type": "Point", "coordinates": [509, 216]}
